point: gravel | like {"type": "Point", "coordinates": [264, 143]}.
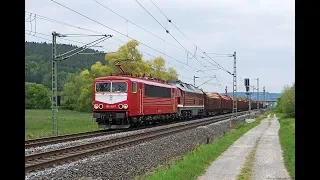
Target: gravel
{"type": "Point", "coordinates": [137, 160]}
{"type": "Point", "coordinates": [99, 138]}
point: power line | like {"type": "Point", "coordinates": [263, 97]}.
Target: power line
{"type": "Point", "coordinates": [136, 25]}
{"type": "Point", "coordinates": [152, 16]}
{"type": "Point", "coordinates": [102, 48]}
{"type": "Point", "coordinates": [81, 35]}
{"type": "Point", "coordinates": [167, 62]}
{"type": "Point", "coordinates": [39, 37]}
{"type": "Point", "coordinates": [187, 37]}
{"type": "Point", "coordinates": [70, 25]}
{"type": "Point", "coordinates": [86, 43]}
{"type": "Point", "coordinates": [89, 30]}
{"type": "Point", "coordinates": [119, 32]}
{"type": "Point", "coordinates": [167, 31]}
{"type": "Point", "coordinates": [171, 21]}
{"type": "Point", "coordinates": [65, 39]}
{"type": "Point", "coordinates": [218, 54]}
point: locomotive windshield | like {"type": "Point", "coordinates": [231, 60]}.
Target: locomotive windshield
{"type": "Point", "coordinates": [119, 86]}
{"type": "Point", "coordinates": [103, 87]}
{"type": "Point", "coordinates": [111, 87]}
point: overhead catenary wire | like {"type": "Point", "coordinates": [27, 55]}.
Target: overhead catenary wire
{"type": "Point", "coordinates": [70, 25]}
{"type": "Point", "coordinates": [167, 31]}
{"type": "Point", "coordinates": [39, 37]}
{"type": "Point", "coordinates": [114, 30]}
{"type": "Point", "coordinates": [102, 48]}
{"type": "Point", "coordinates": [89, 30]}
{"type": "Point", "coordinates": [136, 24]}
{"type": "Point", "coordinates": [106, 49]}
{"type": "Point", "coordinates": [169, 20]}
{"type": "Point", "coordinates": [145, 53]}
{"type": "Point", "coordinates": [84, 48]}
{"type": "Point", "coordinates": [66, 40]}
{"type": "Point", "coordinates": [114, 38]}
{"type": "Point", "coordinates": [66, 24]}
{"type": "Point", "coordinates": [119, 32]}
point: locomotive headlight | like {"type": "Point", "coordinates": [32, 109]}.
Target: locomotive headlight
{"type": "Point", "coordinates": [120, 106]}
{"type": "Point", "coordinates": [100, 106]}
{"type": "Point", "coordinates": [96, 106]}
{"type": "Point", "coordinates": [125, 106]}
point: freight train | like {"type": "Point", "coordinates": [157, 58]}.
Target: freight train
{"type": "Point", "coordinates": [125, 101]}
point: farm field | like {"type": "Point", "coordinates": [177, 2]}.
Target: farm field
{"type": "Point", "coordinates": [38, 123]}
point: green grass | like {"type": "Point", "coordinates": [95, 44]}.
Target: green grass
{"type": "Point", "coordinates": [194, 163]}
{"type": "Point", "coordinates": [287, 141]}
{"type": "Point", "coordinates": [39, 123]}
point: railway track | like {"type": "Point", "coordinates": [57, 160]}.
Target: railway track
{"type": "Point", "coordinates": [63, 138]}
{"type": "Point", "coordinates": [72, 137]}
{"type": "Point", "coordinates": [55, 157]}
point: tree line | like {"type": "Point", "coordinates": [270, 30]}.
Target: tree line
{"type": "Point", "coordinates": [76, 88]}
{"type": "Point", "coordinates": [286, 102]}
{"type": "Point", "coordinates": [38, 66]}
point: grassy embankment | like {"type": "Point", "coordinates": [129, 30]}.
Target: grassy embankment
{"type": "Point", "coordinates": [194, 163]}
{"type": "Point", "coordinates": [39, 123]}
{"type": "Point", "coordinates": [287, 141]}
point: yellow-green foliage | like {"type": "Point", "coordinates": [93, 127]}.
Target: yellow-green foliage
{"type": "Point", "coordinates": [78, 88]}
{"type": "Point", "coordinates": [286, 102]}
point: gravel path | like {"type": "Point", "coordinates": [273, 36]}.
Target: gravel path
{"type": "Point", "coordinates": [269, 161]}
{"type": "Point", "coordinates": [229, 164]}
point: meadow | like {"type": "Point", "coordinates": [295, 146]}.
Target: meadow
{"type": "Point", "coordinates": [38, 123]}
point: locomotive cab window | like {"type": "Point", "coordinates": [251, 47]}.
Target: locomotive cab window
{"type": "Point", "coordinates": [134, 87]}
{"type": "Point", "coordinates": [119, 87]}
{"type": "Point", "coordinates": [103, 86]}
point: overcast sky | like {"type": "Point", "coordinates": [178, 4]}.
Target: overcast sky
{"type": "Point", "coordinates": [260, 31]}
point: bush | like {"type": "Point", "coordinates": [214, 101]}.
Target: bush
{"type": "Point", "coordinates": [36, 96]}
{"type": "Point", "coordinates": [286, 103]}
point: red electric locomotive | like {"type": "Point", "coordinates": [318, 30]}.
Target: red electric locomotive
{"type": "Point", "coordinates": [120, 102]}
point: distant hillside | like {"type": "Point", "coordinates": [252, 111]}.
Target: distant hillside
{"type": "Point", "coordinates": [38, 67]}
{"type": "Point", "coordinates": [272, 96]}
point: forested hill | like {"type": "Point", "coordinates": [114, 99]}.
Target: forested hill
{"type": "Point", "coordinates": [38, 65]}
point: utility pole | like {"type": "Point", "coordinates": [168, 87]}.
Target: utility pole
{"type": "Point", "coordinates": [54, 100]}
{"type": "Point", "coordinates": [267, 93]}
{"type": "Point", "coordinates": [235, 108]}
{"type": "Point", "coordinates": [194, 80]}
{"type": "Point", "coordinates": [226, 90]}
{"type": "Point", "coordinates": [264, 96]}
{"type": "Point", "coordinates": [258, 93]}
{"type": "Point", "coordinates": [253, 89]}
{"type": "Point", "coordinates": [249, 94]}
{"type": "Point", "coordinates": [54, 86]}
